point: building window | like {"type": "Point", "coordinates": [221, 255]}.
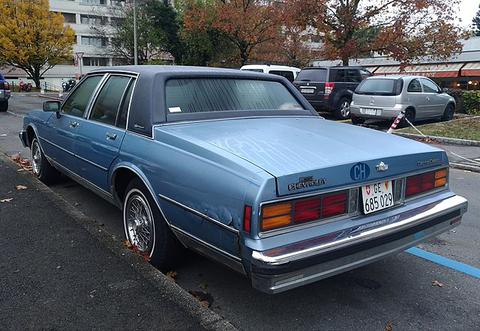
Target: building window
{"type": "Point", "coordinates": [93, 20]}
{"type": "Point", "coordinates": [95, 61]}
{"type": "Point", "coordinates": [94, 41]}
{"type": "Point", "coordinates": [69, 18]}
{"type": "Point", "coordinates": [93, 2]}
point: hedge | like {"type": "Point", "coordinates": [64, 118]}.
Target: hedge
{"type": "Point", "coordinates": [467, 101]}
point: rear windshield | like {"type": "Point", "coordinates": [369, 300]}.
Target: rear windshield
{"type": "Point", "coordinates": [196, 95]}
{"type": "Point", "coordinates": [380, 87]}
{"type": "Point", "coordinates": [314, 75]}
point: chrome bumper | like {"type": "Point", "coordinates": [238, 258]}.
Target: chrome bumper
{"type": "Point", "coordinates": [280, 269]}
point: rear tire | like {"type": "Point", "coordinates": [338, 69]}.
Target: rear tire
{"type": "Point", "coordinates": [146, 229]}
{"type": "Point", "coordinates": [342, 112]}
{"type": "Point", "coordinates": [357, 120]}
{"type": "Point", "coordinates": [41, 168]}
{"type": "Point", "coordinates": [448, 113]}
{"type": "Point", "coordinates": [410, 115]}
{"type": "Point", "coordinates": [4, 106]}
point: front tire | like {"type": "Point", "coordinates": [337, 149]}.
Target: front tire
{"type": "Point", "coordinates": [41, 168]}
{"type": "Point", "coordinates": [448, 113]}
{"type": "Point", "coordinates": [146, 229]}
{"type": "Point", "coordinates": [4, 106]}
{"type": "Point", "coordinates": [343, 109]}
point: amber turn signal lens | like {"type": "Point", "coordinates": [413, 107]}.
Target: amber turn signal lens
{"type": "Point", "coordinates": [441, 178]}
{"type": "Point", "coordinates": [440, 173]}
{"type": "Point", "coordinates": [276, 216]}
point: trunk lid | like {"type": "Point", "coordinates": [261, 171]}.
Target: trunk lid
{"type": "Point", "coordinates": [310, 153]}
{"type": "Point", "coordinates": [374, 101]}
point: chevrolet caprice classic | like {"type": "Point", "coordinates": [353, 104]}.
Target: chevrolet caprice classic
{"type": "Point", "coordinates": [238, 166]}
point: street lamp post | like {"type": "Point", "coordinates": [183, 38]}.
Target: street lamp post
{"type": "Point", "coordinates": [135, 55]}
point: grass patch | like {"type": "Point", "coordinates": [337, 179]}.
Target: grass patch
{"type": "Point", "coordinates": [465, 128]}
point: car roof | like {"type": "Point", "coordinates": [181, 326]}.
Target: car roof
{"type": "Point", "coordinates": [269, 66]}
{"type": "Point", "coordinates": [405, 77]}
{"type": "Point", "coordinates": [335, 67]}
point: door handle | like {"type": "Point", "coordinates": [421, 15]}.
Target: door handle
{"type": "Point", "coordinates": [111, 136]}
{"type": "Point", "coordinates": [73, 124]}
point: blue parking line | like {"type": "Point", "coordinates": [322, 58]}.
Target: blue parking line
{"type": "Point", "coordinates": [452, 264]}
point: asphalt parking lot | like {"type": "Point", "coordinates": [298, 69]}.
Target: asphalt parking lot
{"type": "Point", "coordinates": [404, 292]}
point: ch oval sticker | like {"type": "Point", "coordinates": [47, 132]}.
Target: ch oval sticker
{"type": "Point", "coordinates": [360, 171]}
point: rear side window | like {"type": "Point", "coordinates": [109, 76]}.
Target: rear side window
{"type": "Point", "coordinates": [429, 86]}
{"type": "Point", "coordinates": [216, 94]}
{"type": "Point", "coordinates": [414, 86]}
{"type": "Point", "coordinates": [313, 75]}
{"type": "Point", "coordinates": [380, 87]}
{"type": "Point", "coordinates": [108, 101]}
{"type": "Point", "coordinates": [337, 75]}
{"type": "Point", "coordinates": [353, 76]}
{"type": "Point", "coordinates": [287, 74]}
{"type": "Point", "coordinates": [77, 102]}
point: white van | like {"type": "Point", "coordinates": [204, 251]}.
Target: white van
{"type": "Point", "coordinates": [289, 73]}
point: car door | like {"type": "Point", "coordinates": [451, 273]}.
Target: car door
{"type": "Point", "coordinates": [60, 134]}
{"type": "Point", "coordinates": [417, 98]}
{"type": "Point", "coordinates": [101, 132]}
{"type": "Point", "coordinates": [435, 103]}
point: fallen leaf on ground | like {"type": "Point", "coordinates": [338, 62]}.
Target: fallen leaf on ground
{"type": "Point", "coordinates": [437, 283]}
{"type": "Point", "coordinates": [6, 200]}
{"type": "Point", "coordinates": [21, 187]}
{"type": "Point", "coordinates": [127, 244]}
{"type": "Point", "coordinates": [205, 298]}
{"type": "Point", "coordinates": [389, 326]}
{"type": "Point", "coordinates": [16, 157]}
{"type": "Point", "coordinates": [172, 274]}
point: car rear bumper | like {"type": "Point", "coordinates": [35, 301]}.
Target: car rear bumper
{"type": "Point", "coordinates": [287, 267]}
{"type": "Point", "coordinates": [386, 112]}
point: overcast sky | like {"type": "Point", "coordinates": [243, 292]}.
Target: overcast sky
{"type": "Point", "coordinates": [467, 11]}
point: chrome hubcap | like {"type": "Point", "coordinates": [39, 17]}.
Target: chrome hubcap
{"type": "Point", "coordinates": [345, 109]}
{"type": "Point", "coordinates": [36, 159]}
{"type": "Point", "coordinates": [139, 223]}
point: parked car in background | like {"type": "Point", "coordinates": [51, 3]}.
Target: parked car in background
{"type": "Point", "coordinates": [289, 73]}
{"type": "Point", "coordinates": [4, 93]}
{"type": "Point", "coordinates": [384, 97]}
{"type": "Point", "coordinates": [330, 88]}
{"type": "Point", "coordinates": [239, 166]}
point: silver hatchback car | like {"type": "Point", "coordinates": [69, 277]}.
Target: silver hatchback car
{"type": "Point", "coordinates": [384, 97]}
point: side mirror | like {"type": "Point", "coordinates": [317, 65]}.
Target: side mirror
{"type": "Point", "coordinates": [51, 106]}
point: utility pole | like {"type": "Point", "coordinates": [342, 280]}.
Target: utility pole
{"type": "Point", "coordinates": [135, 54]}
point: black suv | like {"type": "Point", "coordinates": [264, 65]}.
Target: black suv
{"type": "Point", "coordinates": [330, 88]}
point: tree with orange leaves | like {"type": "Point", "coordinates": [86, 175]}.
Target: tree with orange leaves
{"type": "Point", "coordinates": [402, 29]}
{"type": "Point", "coordinates": [245, 23]}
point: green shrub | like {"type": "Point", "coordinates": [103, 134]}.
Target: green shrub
{"type": "Point", "coordinates": [471, 102]}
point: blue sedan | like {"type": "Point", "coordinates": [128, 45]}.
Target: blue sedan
{"type": "Point", "coordinates": [238, 166]}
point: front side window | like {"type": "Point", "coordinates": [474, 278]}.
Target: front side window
{"type": "Point", "coordinates": [108, 101]}
{"type": "Point", "coordinates": [429, 86]}
{"type": "Point", "coordinates": [216, 94]}
{"type": "Point", "coordinates": [77, 102]}
{"type": "Point", "coordinates": [414, 86]}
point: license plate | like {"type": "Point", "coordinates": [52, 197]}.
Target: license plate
{"type": "Point", "coordinates": [372, 111]}
{"type": "Point", "coordinates": [307, 90]}
{"type": "Point", "coordinates": [377, 196]}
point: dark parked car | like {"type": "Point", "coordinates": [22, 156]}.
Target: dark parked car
{"type": "Point", "coordinates": [330, 88]}
{"type": "Point", "coordinates": [4, 93]}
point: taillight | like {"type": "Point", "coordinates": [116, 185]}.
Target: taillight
{"type": "Point", "coordinates": [247, 218]}
{"type": "Point", "coordinates": [425, 182]}
{"type": "Point", "coordinates": [329, 88]}
{"type": "Point", "coordinates": [304, 210]}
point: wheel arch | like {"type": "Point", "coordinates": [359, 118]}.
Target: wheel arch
{"type": "Point", "coordinates": [121, 176]}
{"type": "Point", "coordinates": [32, 133]}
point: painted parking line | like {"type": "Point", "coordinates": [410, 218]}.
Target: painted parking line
{"type": "Point", "coordinates": [446, 262]}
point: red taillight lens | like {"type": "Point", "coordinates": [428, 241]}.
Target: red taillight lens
{"type": "Point", "coordinates": [247, 218]}
{"type": "Point", "coordinates": [425, 182]}
{"type": "Point", "coordinates": [307, 210]}
{"type": "Point", "coordinates": [329, 88]}
{"type": "Point", "coordinates": [300, 211]}
{"type": "Point", "coordinates": [334, 204]}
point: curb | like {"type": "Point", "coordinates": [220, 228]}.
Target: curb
{"type": "Point", "coordinates": [442, 140]}
{"type": "Point", "coordinates": [207, 317]}
{"type": "Point", "coordinates": [462, 166]}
